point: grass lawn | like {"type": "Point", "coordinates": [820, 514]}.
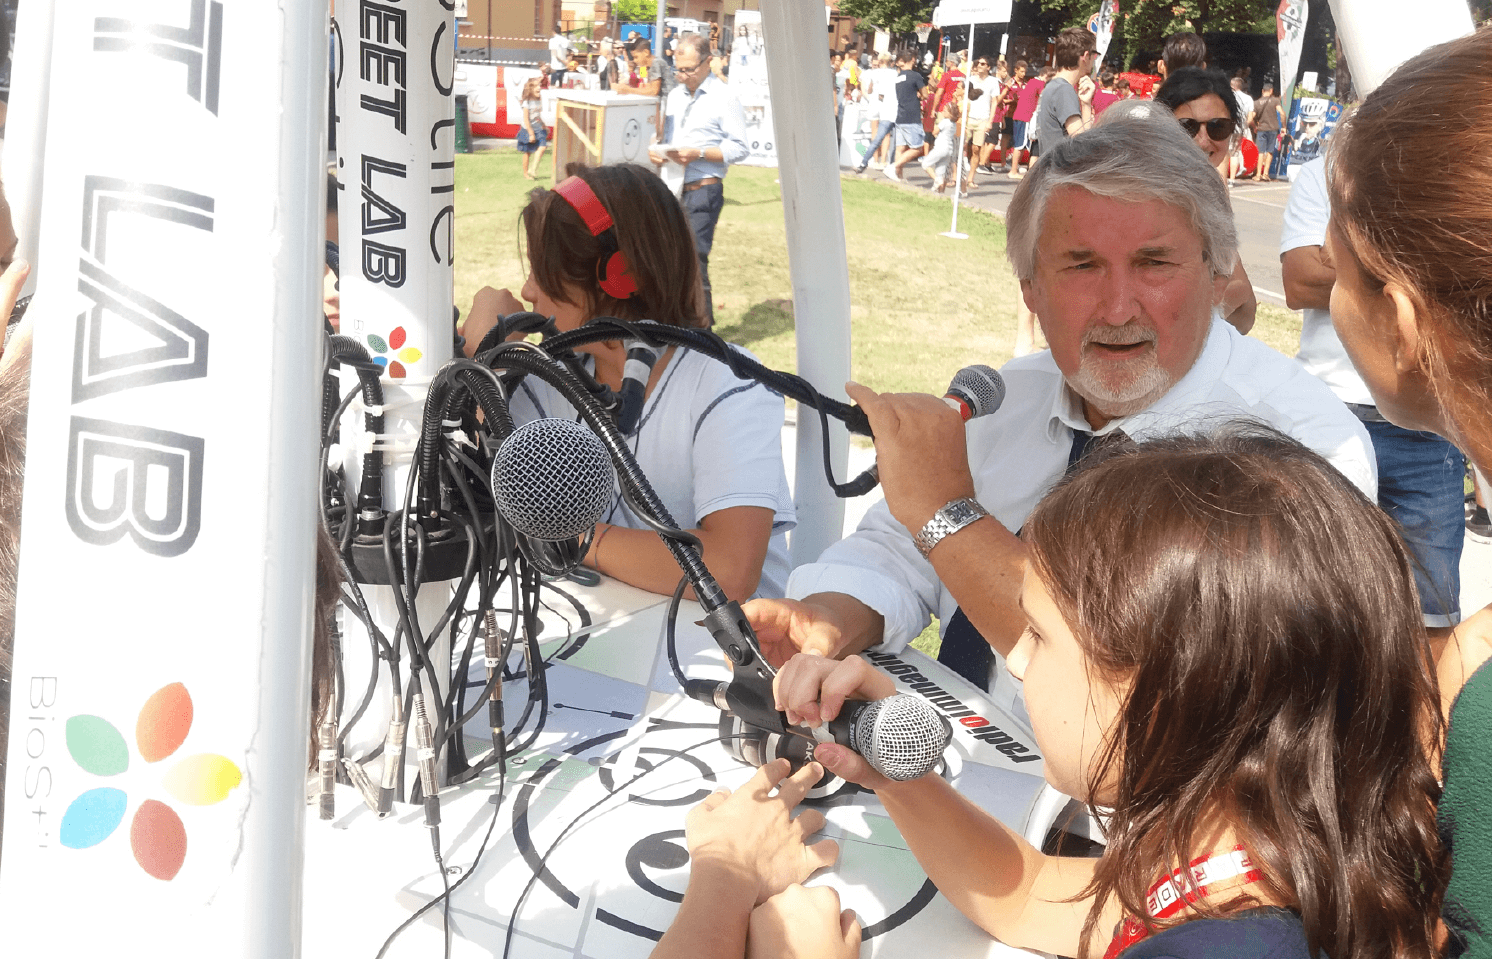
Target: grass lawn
{"type": "Point", "coordinates": [921, 306]}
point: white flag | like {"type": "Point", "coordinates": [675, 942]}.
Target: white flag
{"type": "Point", "coordinates": [1102, 25]}
{"type": "Point", "coordinates": [1290, 24]}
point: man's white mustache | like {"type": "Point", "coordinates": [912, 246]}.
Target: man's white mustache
{"type": "Point", "coordinates": [1119, 335]}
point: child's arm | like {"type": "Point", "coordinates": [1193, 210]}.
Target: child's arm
{"type": "Point", "coordinates": [987, 870]}
{"type": "Point", "coordinates": [744, 848]}
{"type": "Point", "coordinates": [800, 923]}
{"type": "Point", "coordinates": [733, 542]}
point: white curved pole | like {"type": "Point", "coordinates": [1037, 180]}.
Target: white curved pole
{"type": "Point", "coordinates": [803, 121]}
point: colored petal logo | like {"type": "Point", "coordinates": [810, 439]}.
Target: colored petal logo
{"type": "Point", "coordinates": [396, 339]}
{"type": "Point", "coordinates": [157, 836]}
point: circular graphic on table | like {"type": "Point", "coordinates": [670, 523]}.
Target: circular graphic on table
{"type": "Point", "coordinates": [626, 806]}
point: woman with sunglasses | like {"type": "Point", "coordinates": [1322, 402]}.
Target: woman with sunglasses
{"type": "Point", "coordinates": [1209, 113]}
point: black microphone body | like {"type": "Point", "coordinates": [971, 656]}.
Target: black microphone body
{"type": "Point", "coordinates": [901, 737]}
{"type": "Point", "coordinates": [976, 390]}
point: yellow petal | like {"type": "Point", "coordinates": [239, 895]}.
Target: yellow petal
{"type": "Point", "coordinates": [410, 355]}
{"type": "Point", "coordinates": [203, 779]}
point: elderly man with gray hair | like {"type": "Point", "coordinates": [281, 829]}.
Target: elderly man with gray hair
{"type": "Point", "coordinates": [1123, 241]}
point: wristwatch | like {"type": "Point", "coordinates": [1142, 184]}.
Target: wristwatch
{"type": "Point", "coordinates": [953, 517]}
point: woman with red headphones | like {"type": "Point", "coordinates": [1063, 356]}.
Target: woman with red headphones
{"type": "Point", "coordinates": [613, 241]}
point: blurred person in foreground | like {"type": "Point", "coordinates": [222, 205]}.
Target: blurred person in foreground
{"type": "Point", "coordinates": [1412, 304]}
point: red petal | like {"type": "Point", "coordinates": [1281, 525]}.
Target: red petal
{"type": "Point", "coordinates": [396, 338]}
{"type": "Point", "coordinates": [158, 840]}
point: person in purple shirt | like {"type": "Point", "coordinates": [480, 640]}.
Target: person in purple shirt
{"type": "Point", "coordinates": [1025, 109]}
{"type": "Point", "coordinates": [1105, 94]}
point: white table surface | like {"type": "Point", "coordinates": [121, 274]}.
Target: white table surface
{"type": "Point", "coordinates": [612, 885]}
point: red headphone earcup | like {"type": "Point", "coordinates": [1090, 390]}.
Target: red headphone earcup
{"type": "Point", "coordinates": [616, 277]}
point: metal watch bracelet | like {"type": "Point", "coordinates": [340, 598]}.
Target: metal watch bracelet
{"type": "Point", "coordinates": [951, 518]}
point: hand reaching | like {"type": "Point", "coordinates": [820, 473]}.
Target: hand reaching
{"type": "Point", "coordinates": [751, 834]}
{"type": "Point", "coordinates": [487, 307]}
{"type": "Point", "coordinates": [800, 923]}
{"type": "Point", "coordinates": [785, 627]}
{"type": "Point", "coordinates": [812, 690]}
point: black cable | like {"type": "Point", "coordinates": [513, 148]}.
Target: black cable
{"type": "Point", "coordinates": [450, 887]}
{"type": "Point", "coordinates": [669, 623]}
{"type": "Point", "coordinates": [710, 344]}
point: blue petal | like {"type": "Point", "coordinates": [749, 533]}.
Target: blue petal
{"type": "Point", "coordinates": [92, 817]}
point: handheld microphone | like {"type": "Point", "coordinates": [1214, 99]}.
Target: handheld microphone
{"type": "Point", "coordinates": [976, 390]}
{"type": "Point", "coordinates": [902, 737]}
{"type": "Point", "coordinates": [552, 480]}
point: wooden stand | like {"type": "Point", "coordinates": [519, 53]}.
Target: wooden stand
{"type": "Point", "coordinates": [602, 127]}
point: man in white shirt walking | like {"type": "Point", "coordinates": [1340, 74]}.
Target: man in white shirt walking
{"type": "Point", "coordinates": [1123, 255]}
{"type": "Point", "coordinates": [560, 50]}
{"type": "Point", "coordinates": [979, 117]}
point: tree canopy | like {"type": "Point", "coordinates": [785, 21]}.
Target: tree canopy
{"type": "Point", "coordinates": [1144, 24]}
{"type": "Point", "coordinates": [635, 11]}
{"type": "Point", "coordinates": [897, 16]}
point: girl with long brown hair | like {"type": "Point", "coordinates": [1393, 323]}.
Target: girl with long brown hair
{"type": "Point", "coordinates": [1225, 661]}
{"type": "Point", "coordinates": [1412, 304]}
{"type": "Point", "coordinates": [711, 444]}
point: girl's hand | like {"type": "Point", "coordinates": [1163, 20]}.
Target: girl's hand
{"type": "Point", "coordinates": [751, 836]}
{"type": "Point", "coordinates": [806, 923]}
{"type": "Point", "coordinates": [812, 690]}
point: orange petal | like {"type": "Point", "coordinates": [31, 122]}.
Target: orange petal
{"type": "Point", "coordinates": [164, 722]}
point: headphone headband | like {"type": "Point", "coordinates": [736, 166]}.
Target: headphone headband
{"type": "Point", "coordinates": [578, 193]}
{"type": "Point", "coordinates": [612, 272]}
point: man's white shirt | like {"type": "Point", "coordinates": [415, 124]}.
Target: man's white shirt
{"type": "Point", "coordinates": [1307, 213]}
{"type": "Point", "coordinates": [560, 48]}
{"type": "Point", "coordinates": [1019, 452]}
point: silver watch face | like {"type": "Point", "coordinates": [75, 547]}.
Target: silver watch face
{"type": "Point", "coordinates": [960, 511]}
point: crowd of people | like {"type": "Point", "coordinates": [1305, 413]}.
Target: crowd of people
{"type": "Point", "coordinates": [625, 63]}
{"type": "Point", "coordinates": [1003, 104]}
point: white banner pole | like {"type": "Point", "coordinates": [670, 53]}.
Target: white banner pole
{"type": "Point", "coordinates": [803, 121]}
{"type": "Point", "coordinates": [1290, 25]}
{"type": "Point", "coordinates": [159, 738]}
{"type": "Point", "coordinates": [958, 153]}
{"type": "Point", "coordinates": [396, 172]}
{"type": "Point", "coordinates": [26, 127]}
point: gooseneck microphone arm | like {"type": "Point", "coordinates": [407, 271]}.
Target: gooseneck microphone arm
{"type": "Point", "coordinates": [902, 737]}
{"type": "Point", "coordinates": [723, 617]}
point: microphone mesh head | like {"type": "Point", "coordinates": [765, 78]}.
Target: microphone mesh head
{"type": "Point", "coordinates": [552, 479]}
{"type": "Point", "coordinates": [901, 736]}
{"type": "Point", "coordinates": [982, 388]}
